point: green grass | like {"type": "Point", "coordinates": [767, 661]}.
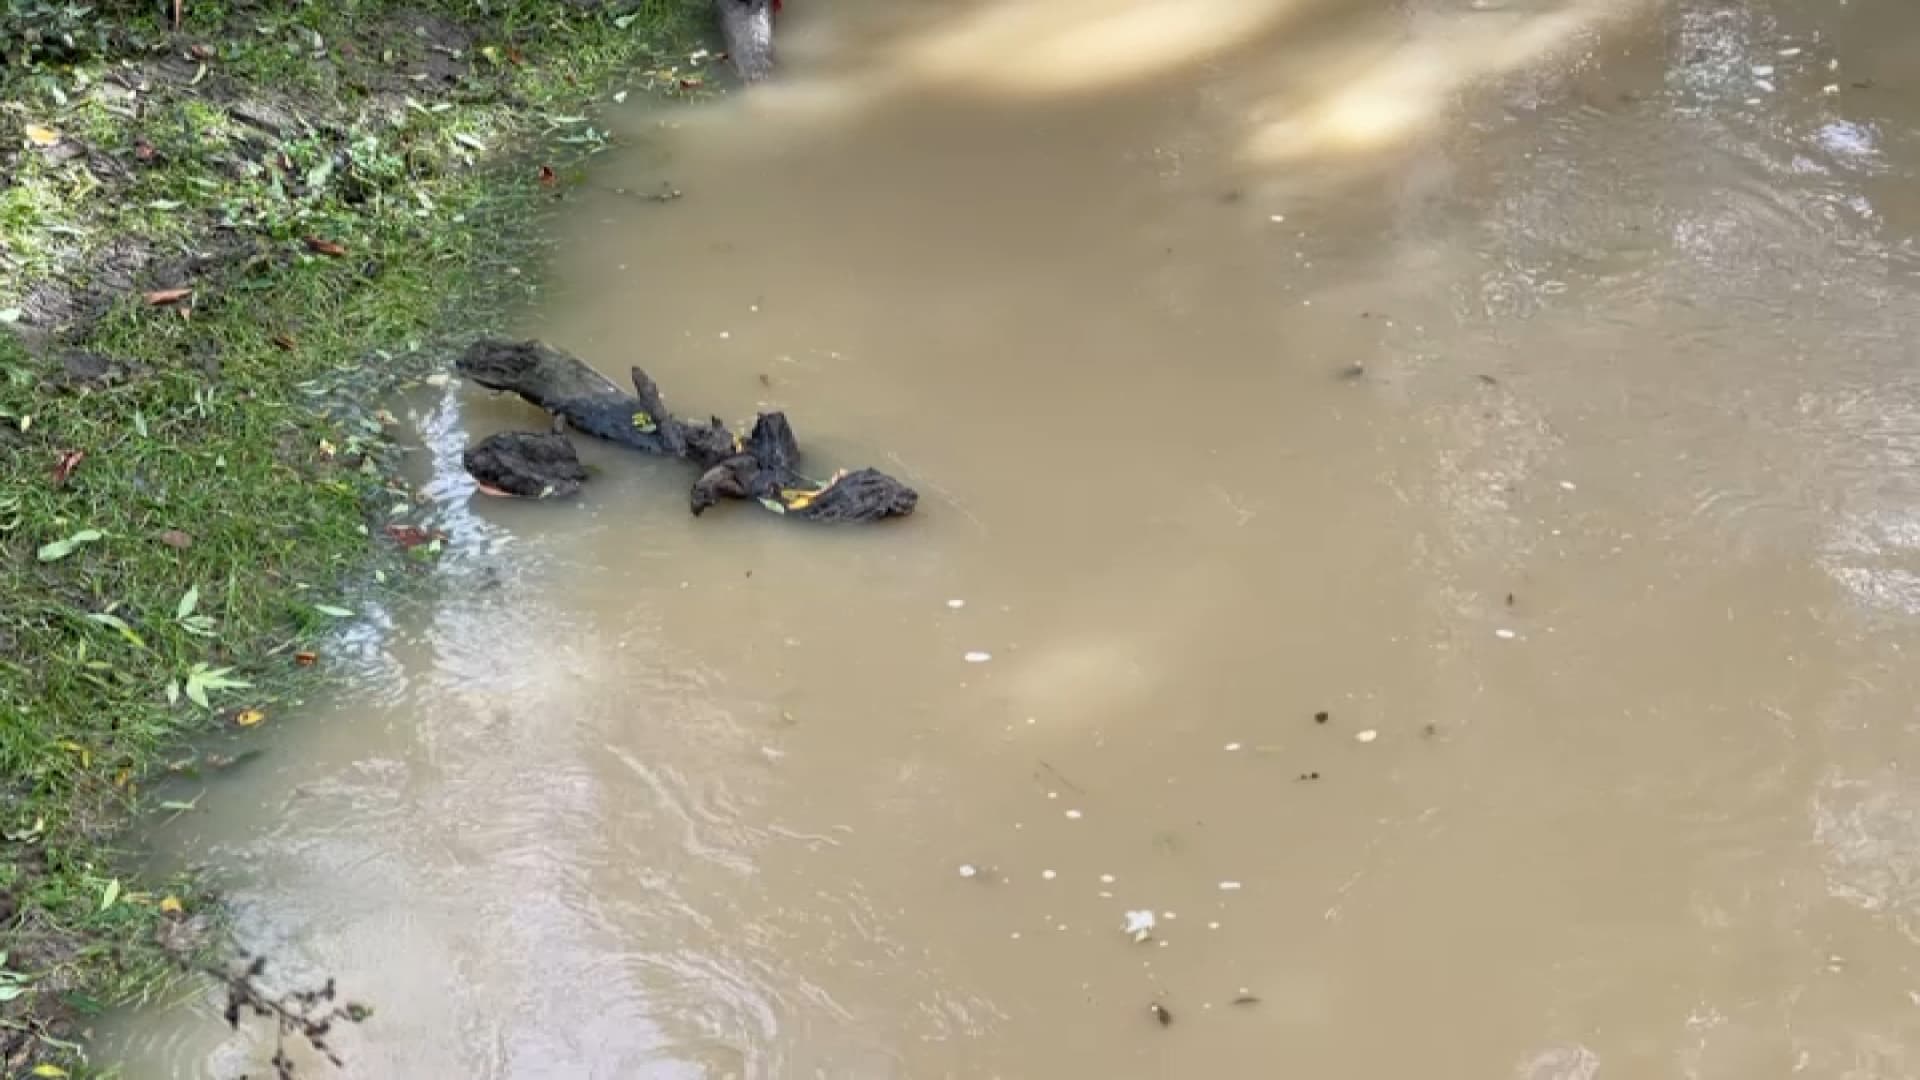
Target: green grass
{"type": "Point", "coordinates": [233, 497]}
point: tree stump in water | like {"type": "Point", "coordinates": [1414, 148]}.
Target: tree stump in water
{"type": "Point", "coordinates": [762, 466]}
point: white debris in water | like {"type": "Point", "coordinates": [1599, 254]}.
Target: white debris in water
{"type": "Point", "coordinates": [1139, 924]}
{"type": "Point", "coordinates": [1106, 879]}
{"type": "Point", "coordinates": [978, 657]}
{"type": "Point", "coordinates": [1048, 874]}
{"type": "Point", "coordinates": [968, 870]}
{"type": "Point", "coordinates": [1505, 634]}
{"type": "Point", "coordinates": [1366, 736]}
{"type": "Point", "coordinates": [1763, 70]}
{"type": "Point", "coordinates": [1229, 886]}
{"type": "Point", "coordinates": [1231, 747]}
{"type": "Point", "coordinates": [1015, 935]}
{"type": "Point", "coordinates": [1053, 794]}
{"type": "Point", "coordinates": [1074, 815]}
{"type": "Point", "coordinates": [1276, 218]}
{"type": "Point", "coordinates": [956, 604]}
{"type": "Point", "coordinates": [725, 334]}
{"type": "Point", "coordinates": [1568, 485]}
{"type": "Point", "coordinates": [1169, 915]}
{"type": "Point", "coordinates": [1213, 925]}
{"type": "Point", "coordinates": [1830, 88]}
{"type": "Point", "coordinates": [1791, 50]}
{"type": "Point", "coordinates": [620, 97]}
{"type": "Point", "coordinates": [1763, 86]}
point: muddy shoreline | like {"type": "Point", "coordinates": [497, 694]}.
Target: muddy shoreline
{"type": "Point", "coordinates": [225, 244]}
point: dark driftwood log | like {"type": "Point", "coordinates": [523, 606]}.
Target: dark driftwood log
{"type": "Point", "coordinates": [532, 466]}
{"type": "Point", "coordinates": [761, 466]}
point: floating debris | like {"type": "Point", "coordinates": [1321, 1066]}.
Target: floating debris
{"type": "Point", "coordinates": [1140, 924]}
{"type": "Point", "coordinates": [1075, 815]}
{"type": "Point", "coordinates": [977, 657]}
{"type": "Point", "coordinates": [1229, 886]}
{"type": "Point", "coordinates": [968, 870]}
{"type": "Point", "coordinates": [1365, 736]}
{"type": "Point", "coordinates": [1245, 998]}
{"type": "Point", "coordinates": [1161, 1013]}
{"type": "Point", "coordinates": [1505, 634]}
{"type": "Point", "coordinates": [1568, 485]}
{"type": "Point", "coordinates": [1106, 879]}
{"type": "Point", "coordinates": [956, 604]}
{"type": "Point", "coordinates": [1322, 717]}
{"type": "Point", "coordinates": [1048, 875]}
{"type": "Point", "coordinates": [1231, 747]}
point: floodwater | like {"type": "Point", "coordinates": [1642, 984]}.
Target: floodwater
{"type": "Point", "coordinates": [1528, 387]}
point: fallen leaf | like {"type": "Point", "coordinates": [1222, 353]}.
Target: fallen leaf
{"type": "Point", "coordinates": [494, 491]}
{"type": "Point", "coordinates": [110, 894]}
{"type": "Point", "coordinates": [409, 536]}
{"type": "Point", "coordinates": [143, 150]}
{"type": "Point", "coordinates": [63, 469]}
{"type": "Point", "coordinates": [325, 247]}
{"type": "Point", "coordinates": [60, 549]}
{"type": "Point", "coordinates": [176, 539]}
{"type": "Point", "coordinates": [306, 659]}
{"type": "Point", "coordinates": [285, 341]}
{"type": "Point", "coordinates": [47, 1069]}
{"type": "Point", "coordinates": [548, 177]}
{"type": "Point", "coordinates": [168, 296]}
{"type": "Point", "coordinates": [40, 135]}
{"type": "Point", "coordinates": [171, 905]}
{"type": "Point", "coordinates": [201, 52]}
{"type": "Point", "coordinates": [249, 717]}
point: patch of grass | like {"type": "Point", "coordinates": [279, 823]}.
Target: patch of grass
{"type": "Point", "coordinates": [224, 246]}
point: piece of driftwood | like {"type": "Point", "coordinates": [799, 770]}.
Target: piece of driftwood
{"type": "Point", "coordinates": [526, 464]}
{"type": "Point", "coordinates": [763, 465]}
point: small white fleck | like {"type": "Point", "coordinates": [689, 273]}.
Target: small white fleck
{"type": "Point", "coordinates": [1169, 915]}
{"type": "Point", "coordinates": [1276, 218]}
{"type": "Point", "coordinates": [1106, 879]}
{"type": "Point", "coordinates": [1365, 736]}
{"type": "Point", "coordinates": [1567, 485]}
{"type": "Point", "coordinates": [1763, 70]}
{"type": "Point", "coordinates": [1162, 943]}
{"type": "Point", "coordinates": [1232, 746]}
{"type": "Point", "coordinates": [956, 604]}
{"type": "Point", "coordinates": [1139, 924]}
{"type": "Point", "coordinates": [1053, 794]}
{"type": "Point", "coordinates": [1229, 886]}
{"type": "Point", "coordinates": [1015, 935]}
{"type": "Point", "coordinates": [978, 657]}
{"type": "Point", "coordinates": [1505, 634]}
{"type": "Point", "coordinates": [724, 334]}
{"type": "Point", "coordinates": [1061, 926]}
{"type": "Point", "coordinates": [1105, 894]}
{"type": "Point", "coordinates": [1791, 50]}
{"type": "Point", "coordinates": [968, 870]}
{"type": "Point", "coordinates": [1048, 874]}
{"type": "Point", "coordinates": [1074, 815]}
{"type": "Point", "coordinates": [1763, 86]}
{"type": "Point", "coordinates": [620, 97]}
{"type": "Point", "coordinates": [1830, 88]}
{"type": "Point", "coordinates": [1213, 926]}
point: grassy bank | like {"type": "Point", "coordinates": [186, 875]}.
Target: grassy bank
{"type": "Point", "coordinates": [218, 245]}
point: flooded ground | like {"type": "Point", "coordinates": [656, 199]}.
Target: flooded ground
{"type": "Point", "coordinates": [1435, 481]}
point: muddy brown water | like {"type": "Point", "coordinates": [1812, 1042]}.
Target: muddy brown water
{"type": "Point", "coordinates": [1529, 387]}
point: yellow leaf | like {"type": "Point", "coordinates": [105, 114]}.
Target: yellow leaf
{"type": "Point", "coordinates": [249, 717]}
{"type": "Point", "coordinates": [797, 499]}
{"type": "Point", "coordinates": [42, 136]}
{"type": "Point", "coordinates": [123, 777]}
{"type": "Point", "coordinates": [172, 905]}
{"type": "Point", "coordinates": [49, 1070]}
